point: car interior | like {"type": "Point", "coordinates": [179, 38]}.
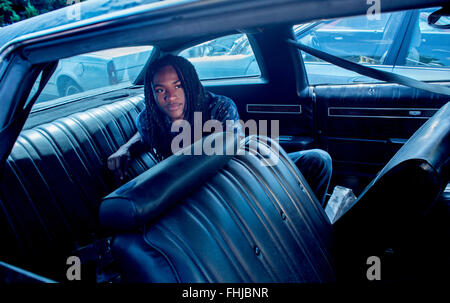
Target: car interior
{"type": "Point", "coordinates": [229, 218]}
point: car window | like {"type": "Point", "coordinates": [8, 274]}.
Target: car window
{"type": "Point", "coordinates": [428, 55]}
{"type": "Point", "coordinates": [357, 39]}
{"type": "Point", "coordinates": [94, 72]}
{"type": "Point", "coordinates": [225, 57]}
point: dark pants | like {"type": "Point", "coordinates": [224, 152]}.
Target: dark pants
{"type": "Point", "coordinates": [315, 165]}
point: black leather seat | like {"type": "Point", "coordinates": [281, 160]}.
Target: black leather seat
{"type": "Point", "coordinates": [246, 223]}
{"type": "Point", "coordinates": [53, 183]}
{"type": "Point", "coordinates": [256, 223]}
{"type": "Point", "coordinates": [253, 223]}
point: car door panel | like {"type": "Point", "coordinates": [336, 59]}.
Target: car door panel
{"type": "Point", "coordinates": [362, 126]}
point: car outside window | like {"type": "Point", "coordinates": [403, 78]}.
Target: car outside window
{"type": "Point", "coordinates": [225, 57]}
{"type": "Point", "coordinates": [428, 54]}
{"type": "Point", "coordinates": [93, 72]}
{"type": "Point", "coordinates": [357, 39]}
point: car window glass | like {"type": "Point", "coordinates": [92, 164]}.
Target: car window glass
{"type": "Point", "coordinates": [428, 54]}
{"type": "Point", "coordinates": [225, 57]}
{"type": "Point", "coordinates": [93, 72]}
{"type": "Point", "coordinates": [34, 88]}
{"type": "Point", "coordinates": [357, 39]}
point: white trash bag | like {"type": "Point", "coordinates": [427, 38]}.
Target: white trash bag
{"type": "Point", "coordinates": [341, 199]}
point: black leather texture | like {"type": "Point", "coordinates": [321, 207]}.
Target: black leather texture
{"type": "Point", "coordinates": [54, 180]}
{"type": "Point", "coordinates": [145, 197]}
{"type": "Point", "coordinates": [248, 223]}
{"type": "Point", "coordinates": [376, 96]}
{"type": "Point", "coordinates": [214, 219]}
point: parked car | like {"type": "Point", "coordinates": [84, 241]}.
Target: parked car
{"type": "Point", "coordinates": [223, 218]}
{"type": "Point", "coordinates": [231, 56]}
{"type": "Point", "coordinates": [95, 70]}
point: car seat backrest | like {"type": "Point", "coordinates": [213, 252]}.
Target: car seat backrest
{"type": "Point", "coordinates": [248, 222]}
{"type": "Point", "coordinates": [396, 201]}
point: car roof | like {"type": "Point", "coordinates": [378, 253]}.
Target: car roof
{"type": "Point", "coordinates": [88, 10]}
{"type": "Point", "coordinates": [100, 12]}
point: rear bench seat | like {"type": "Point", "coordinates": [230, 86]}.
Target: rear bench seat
{"type": "Point", "coordinates": [56, 176]}
{"type": "Point", "coordinates": [256, 223]}
{"type": "Point", "coordinates": [53, 183]}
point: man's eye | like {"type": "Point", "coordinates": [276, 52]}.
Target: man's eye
{"type": "Point", "coordinates": [158, 90]}
{"type": "Point", "coordinates": [179, 86]}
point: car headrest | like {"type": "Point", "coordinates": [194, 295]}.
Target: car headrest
{"type": "Point", "coordinates": [150, 194]}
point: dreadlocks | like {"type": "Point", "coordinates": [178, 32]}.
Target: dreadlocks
{"type": "Point", "coordinates": [159, 141]}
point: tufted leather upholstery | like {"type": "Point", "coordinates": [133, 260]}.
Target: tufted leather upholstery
{"type": "Point", "coordinates": [54, 180]}
{"type": "Point", "coordinates": [56, 176]}
{"type": "Point", "coordinates": [248, 223]}
{"type": "Point", "coordinates": [150, 194]}
{"type": "Point", "coordinates": [251, 223]}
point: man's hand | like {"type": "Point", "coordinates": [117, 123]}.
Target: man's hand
{"type": "Point", "coordinates": [118, 162]}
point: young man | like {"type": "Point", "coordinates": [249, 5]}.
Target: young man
{"type": "Point", "coordinates": [173, 93]}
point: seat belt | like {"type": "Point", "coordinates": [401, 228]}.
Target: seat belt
{"type": "Point", "coordinates": [372, 72]}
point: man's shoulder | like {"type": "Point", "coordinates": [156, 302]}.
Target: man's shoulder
{"type": "Point", "coordinates": [142, 116]}
{"type": "Point", "coordinates": [215, 100]}
{"type": "Point", "coordinates": [221, 107]}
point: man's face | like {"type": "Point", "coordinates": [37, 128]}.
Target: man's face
{"type": "Point", "coordinates": [169, 92]}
